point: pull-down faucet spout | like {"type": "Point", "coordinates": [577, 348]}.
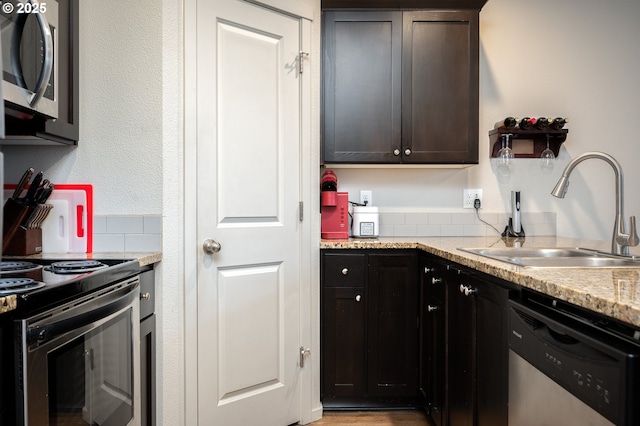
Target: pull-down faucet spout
{"type": "Point", "coordinates": [621, 240]}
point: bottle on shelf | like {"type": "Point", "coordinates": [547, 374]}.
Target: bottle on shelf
{"type": "Point", "coordinates": [507, 123]}
{"type": "Point", "coordinates": [558, 123]}
{"type": "Point", "coordinates": [526, 123]}
{"type": "Point", "coordinates": [542, 123]}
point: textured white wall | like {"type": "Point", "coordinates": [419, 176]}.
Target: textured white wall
{"type": "Point", "coordinates": [120, 111]}
{"type": "Point", "coordinates": [549, 58]}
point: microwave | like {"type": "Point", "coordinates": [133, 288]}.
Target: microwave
{"type": "Point", "coordinates": [29, 38]}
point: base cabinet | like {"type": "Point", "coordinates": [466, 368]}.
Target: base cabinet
{"type": "Point", "coordinates": [369, 328]}
{"type": "Point", "coordinates": [476, 361]}
{"type": "Point", "coordinates": [147, 349]}
{"type": "Point", "coordinates": [404, 328]}
{"type": "Point", "coordinates": [432, 339]}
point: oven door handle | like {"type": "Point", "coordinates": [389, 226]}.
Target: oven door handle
{"type": "Point", "coordinates": [42, 333]}
{"type": "Point", "coordinates": [47, 47]}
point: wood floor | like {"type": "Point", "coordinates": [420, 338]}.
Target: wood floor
{"type": "Point", "coordinates": [374, 418]}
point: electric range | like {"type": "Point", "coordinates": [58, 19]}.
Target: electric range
{"type": "Point", "coordinates": [57, 346]}
{"type": "Point", "coordinates": [40, 284]}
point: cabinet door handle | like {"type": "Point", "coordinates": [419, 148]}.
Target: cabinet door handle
{"type": "Point", "coordinates": [431, 308]}
{"type": "Point", "coordinates": [435, 280]}
{"type": "Point", "coordinates": [345, 271]}
{"type": "Point", "coordinates": [407, 151]}
{"type": "Point", "coordinates": [467, 290]}
{"type": "Point", "coordinates": [358, 298]}
{"type": "Point", "coordinates": [396, 152]}
{"type": "Point", "coordinates": [427, 269]}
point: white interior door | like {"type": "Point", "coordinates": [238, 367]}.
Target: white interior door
{"type": "Point", "coordinates": [248, 189]}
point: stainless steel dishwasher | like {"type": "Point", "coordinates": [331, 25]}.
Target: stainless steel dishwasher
{"type": "Point", "coordinates": [569, 367]}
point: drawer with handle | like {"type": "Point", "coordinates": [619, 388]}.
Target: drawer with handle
{"type": "Point", "coordinates": [343, 269]}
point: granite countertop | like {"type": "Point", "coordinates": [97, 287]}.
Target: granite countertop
{"type": "Point", "coordinates": [614, 292]}
{"type": "Point", "coordinates": [144, 258]}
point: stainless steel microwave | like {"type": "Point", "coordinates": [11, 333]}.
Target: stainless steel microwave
{"type": "Point", "coordinates": [29, 34]}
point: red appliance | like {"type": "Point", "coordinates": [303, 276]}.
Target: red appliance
{"type": "Point", "coordinates": [334, 208]}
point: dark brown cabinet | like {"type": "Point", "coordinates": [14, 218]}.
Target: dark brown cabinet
{"type": "Point", "coordinates": [404, 328]}
{"type": "Point", "coordinates": [400, 86]}
{"type": "Point", "coordinates": [65, 129]}
{"type": "Point", "coordinates": [147, 348]}
{"type": "Point", "coordinates": [369, 328]}
{"type": "Point", "coordinates": [476, 364]}
{"type": "Point", "coordinates": [432, 338]}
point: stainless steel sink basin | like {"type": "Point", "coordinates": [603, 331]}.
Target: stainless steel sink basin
{"type": "Point", "coordinates": [556, 257]}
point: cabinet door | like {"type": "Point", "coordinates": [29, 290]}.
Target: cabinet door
{"type": "Point", "coordinates": [343, 332]}
{"type": "Point", "coordinates": [343, 343]}
{"type": "Point", "coordinates": [492, 354]}
{"type": "Point", "coordinates": [362, 87]}
{"type": "Point", "coordinates": [440, 86]}
{"type": "Point", "coordinates": [461, 350]}
{"type": "Point", "coordinates": [148, 371]}
{"type": "Point", "coordinates": [432, 314]}
{"type": "Point", "coordinates": [393, 324]}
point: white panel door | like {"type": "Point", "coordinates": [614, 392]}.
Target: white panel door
{"type": "Point", "coordinates": [248, 189]}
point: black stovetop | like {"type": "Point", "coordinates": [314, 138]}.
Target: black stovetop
{"type": "Point", "coordinates": [48, 288]}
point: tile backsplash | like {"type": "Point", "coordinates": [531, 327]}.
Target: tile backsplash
{"type": "Point", "coordinates": [134, 233]}
{"type": "Point", "coordinates": [415, 223]}
{"type": "Point", "coordinates": [143, 233]}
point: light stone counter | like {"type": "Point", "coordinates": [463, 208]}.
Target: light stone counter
{"type": "Point", "coordinates": [144, 258]}
{"type": "Point", "coordinates": [614, 292]}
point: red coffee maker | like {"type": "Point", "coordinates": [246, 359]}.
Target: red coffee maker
{"type": "Point", "coordinates": [334, 208]}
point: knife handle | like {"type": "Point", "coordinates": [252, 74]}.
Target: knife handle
{"type": "Point", "coordinates": [29, 198]}
{"type": "Point", "coordinates": [22, 183]}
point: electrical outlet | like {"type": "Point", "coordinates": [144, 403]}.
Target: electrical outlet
{"type": "Point", "coordinates": [469, 196]}
{"type": "Point", "coordinates": [366, 197]}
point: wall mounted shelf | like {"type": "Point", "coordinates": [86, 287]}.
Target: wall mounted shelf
{"type": "Point", "coordinates": [527, 143]}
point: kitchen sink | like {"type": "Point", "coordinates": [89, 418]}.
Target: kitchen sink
{"type": "Point", "coordinates": [556, 257]}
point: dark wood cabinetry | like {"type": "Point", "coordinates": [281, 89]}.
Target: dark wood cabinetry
{"type": "Point", "coordinates": [432, 338]}
{"type": "Point", "coordinates": [369, 328]}
{"type": "Point", "coordinates": [147, 348]}
{"type": "Point", "coordinates": [476, 365]}
{"type": "Point", "coordinates": [400, 86]}
{"type": "Point", "coordinates": [362, 86]}
{"type": "Point", "coordinates": [408, 328]}
{"type": "Point", "coordinates": [65, 129]}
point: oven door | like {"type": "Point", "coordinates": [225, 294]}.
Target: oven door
{"type": "Point", "coordinates": [81, 363]}
{"type": "Point", "coordinates": [29, 56]}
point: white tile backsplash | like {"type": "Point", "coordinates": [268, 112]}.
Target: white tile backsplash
{"type": "Point", "coordinates": [460, 224]}
{"type": "Point", "coordinates": [128, 233]}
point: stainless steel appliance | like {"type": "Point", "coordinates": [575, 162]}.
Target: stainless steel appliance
{"type": "Point", "coordinates": [70, 351]}
{"type": "Point", "coordinates": [29, 57]}
{"type": "Point", "coordinates": [569, 367]}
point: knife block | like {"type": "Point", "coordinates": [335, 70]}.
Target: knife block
{"type": "Point", "coordinates": [14, 214]}
{"type": "Point", "coordinates": [24, 241]}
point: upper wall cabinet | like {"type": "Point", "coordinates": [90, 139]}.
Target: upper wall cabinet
{"type": "Point", "coordinates": [400, 86]}
{"type": "Point", "coordinates": [36, 129]}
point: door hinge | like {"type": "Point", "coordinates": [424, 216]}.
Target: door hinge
{"type": "Point", "coordinates": [303, 352]}
{"type": "Point", "coordinates": [301, 211]}
{"type": "Point", "coordinates": [302, 56]}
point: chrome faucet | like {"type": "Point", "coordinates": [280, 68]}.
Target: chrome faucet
{"type": "Point", "coordinates": [621, 240]}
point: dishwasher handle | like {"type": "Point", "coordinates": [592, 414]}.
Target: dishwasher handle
{"type": "Point", "coordinates": [553, 333]}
